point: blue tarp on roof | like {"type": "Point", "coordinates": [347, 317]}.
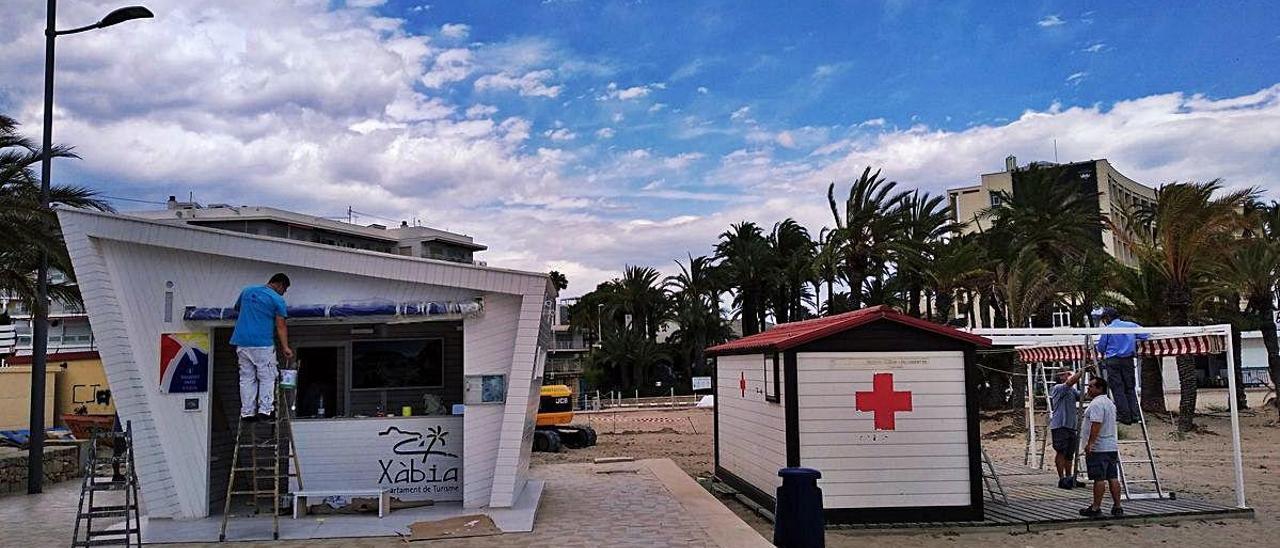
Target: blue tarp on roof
{"type": "Point", "coordinates": [344, 310]}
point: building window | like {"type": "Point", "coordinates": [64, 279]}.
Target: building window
{"type": "Point", "coordinates": [995, 200]}
{"type": "Point", "coordinates": [1061, 316]}
{"type": "Point", "coordinates": [397, 364]}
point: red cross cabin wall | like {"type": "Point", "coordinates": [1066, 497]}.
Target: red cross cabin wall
{"type": "Point", "coordinates": [887, 429]}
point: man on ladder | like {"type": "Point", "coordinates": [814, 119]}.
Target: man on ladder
{"type": "Point", "coordinates": [262, 315]}
{"type": "Point", "coordinates": [1118, 350]}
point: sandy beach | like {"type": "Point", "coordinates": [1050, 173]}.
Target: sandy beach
{"type": "Point", "coordinates": [1197, 465]}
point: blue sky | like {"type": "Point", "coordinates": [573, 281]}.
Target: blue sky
{"type": "Point", "coordinates": [583, 136]}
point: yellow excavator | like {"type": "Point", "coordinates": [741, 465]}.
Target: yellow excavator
{"type": "Point", "coordinates": [555, 413]}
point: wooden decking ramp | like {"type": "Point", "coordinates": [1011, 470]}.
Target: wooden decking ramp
{"type": "Point", "coordinates": [1036, 504]}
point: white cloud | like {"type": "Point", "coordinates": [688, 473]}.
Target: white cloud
{"type": "Point", "coordinates": [682, 160]}
{"type": "Point", "coordinates": [1050, 21]}
{"type": "Point", "coordinates": [365, 3]}
{"type": "Point", "coordinates": [605, 133]}
{"type": "Point", "coordinates": [1095, 48]}
{"type": "Point", "coordinates": [420, 8]}
{"type": "Point", "coordinates": [1076, 77]}
{"type": "Point", "coordinates": [656, 107]}
{"type": "Point", "coordinates": [703, 90]}
{"type": "Point", "coordinates": [786, 140]}
{"type": "Point", "coordinates": [481, 111]}
{"type": "Point", "coordinates": [827, 71]}
{"type": "Point", "coordinates": [613, 91]}
{"type": "Point", "coordinates": [530, 84]}
{"type": "Point", "coordinates": [741, 114]}
{"type": "Point", "coordinates": [450, 66]}
{"type": "Point", "coordinates": [456, 31]}
{"type": "Point", "coordinates": [874, 122]}
{"type": "Point", "coordinates": [561, 134]}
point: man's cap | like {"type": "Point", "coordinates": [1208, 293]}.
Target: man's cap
{"type": "Point", "coordinates": [1105, 311]}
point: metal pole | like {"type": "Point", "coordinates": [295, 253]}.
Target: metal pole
{"type": "Point", "coordinates": [1031, 417]}
{"type": "Point", "coordinates": [1235, 415]}
{"type": "Point", "coordinates": [40, 327]}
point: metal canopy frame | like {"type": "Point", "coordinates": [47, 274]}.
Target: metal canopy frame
{"type": "Point", "coordinates": [1053, 336]}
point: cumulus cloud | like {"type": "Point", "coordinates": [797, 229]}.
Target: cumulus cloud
{"type": "Point", "coordinates": [561, 134]}
{"type": "Point", "coordinates": [1050, 21]}
{"type": "Point", "coordinates": [456, 31]}
{"type": "Point", "coordinates": [613, 91]}
{"type": "Point", "coordinates": [605, 133]}
{"type": "Point", "coordinates": [450, 66]}
{"type": "Point", "coordinates": [530, 84]}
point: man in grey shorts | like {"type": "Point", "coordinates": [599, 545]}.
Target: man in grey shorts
{"type": "Point", "coordinates": [1102, 451]}
{"type": "Point", "coordinates": [1063, 398]}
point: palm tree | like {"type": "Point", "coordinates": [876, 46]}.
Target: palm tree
{"type": "Point", "coordinates": [870, 223]}
{"type": "Point", "coordinates": [1253, 272]}
{"type": "Point", "coordinates": [925, 221]}
{"type": "Point", "coordinates": [957, 265]}
{"type": "Point", "coordinates": [825, 267]}
{"type": "Point", "coordinates": [1184, 234]}
{"type": "Point", "coordinates": [745, 262]}
{"type": "Point", "coordinates": [696, 302]}
{"type": "Point", "coordinates": [1024, 286]}
{"type": "Point", "coordinates": [639, 294]}
{"type": "Point", "coordinates": [28, 229]}
{"type": "Point", "coordinates": [793, 252]}
{"type": "Point", "coordinates": [559, 280]}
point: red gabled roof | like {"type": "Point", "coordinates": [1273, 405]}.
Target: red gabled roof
{"type": "Point", "coordinates": [790, 335]}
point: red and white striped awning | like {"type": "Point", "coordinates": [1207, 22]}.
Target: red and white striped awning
{"type": "Point", "coordinates": [1170, 346]}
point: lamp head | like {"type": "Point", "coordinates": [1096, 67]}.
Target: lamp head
{"type": "Point", "coordinates": [125, 14]}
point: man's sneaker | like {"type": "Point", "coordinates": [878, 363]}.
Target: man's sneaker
{"type": "Point", "coordinates": [267, 417]}
{"type": "Point", "coordinates": [249, 418]}
{"type": "Point", "coordinates": [1091, 512]}
{"type": "Point", "coordinates": [1117, 511]}
{"type": "Point", "coordinates": [1062, 483]}
{"type": "Point", "coordinates": [1071, 482]}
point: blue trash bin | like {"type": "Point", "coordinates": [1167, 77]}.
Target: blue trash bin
{"type": "Point", "coordinates": [797, 516]}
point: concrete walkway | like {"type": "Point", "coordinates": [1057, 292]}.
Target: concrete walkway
{"type": "Point", "coordinates": [635, 504]}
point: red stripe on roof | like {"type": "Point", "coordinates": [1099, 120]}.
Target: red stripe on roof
{"type": "Point", "coordinates": [793, 334]}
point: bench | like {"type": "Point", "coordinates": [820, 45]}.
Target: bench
{"type": "Point", "coordinates": [300, 499]}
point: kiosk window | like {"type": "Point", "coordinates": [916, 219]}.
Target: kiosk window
{"type": "Point", "coordinates": [771, 378]}
{"type": "Point", "coordinates": [397, 364]}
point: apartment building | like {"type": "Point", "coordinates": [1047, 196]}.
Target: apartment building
{"type": "Point", "coordinates": [1113, 189]}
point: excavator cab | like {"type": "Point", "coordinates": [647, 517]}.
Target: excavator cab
{"type": "Point", "coordinates": [555, 413]}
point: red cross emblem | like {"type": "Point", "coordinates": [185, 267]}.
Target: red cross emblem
{"type": "Point", "coordinates": [883, 401]}
{"type": "Point", "coordinates": [742, 383]}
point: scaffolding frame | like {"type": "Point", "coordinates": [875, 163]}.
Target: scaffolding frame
{"type": "Point", "coordinates": [1058, 336]}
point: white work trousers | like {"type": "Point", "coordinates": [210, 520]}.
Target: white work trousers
{"type": "Point", "coordinates": [257, 379]}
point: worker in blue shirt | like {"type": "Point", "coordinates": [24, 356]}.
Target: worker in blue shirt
{"type": "Point", "coordinates": [1118, 351]}
{"type": "Point", "coordinates": [260, 322]}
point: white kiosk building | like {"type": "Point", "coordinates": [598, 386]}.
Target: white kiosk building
{"type": "Point", "coordinates": [456, 346]}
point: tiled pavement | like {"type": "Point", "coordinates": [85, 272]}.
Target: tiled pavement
{"type": "Point", "coordinates": [629, 507]}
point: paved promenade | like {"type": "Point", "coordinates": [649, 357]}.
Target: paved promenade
{"type": "Point", "coordinates": [641, 504]}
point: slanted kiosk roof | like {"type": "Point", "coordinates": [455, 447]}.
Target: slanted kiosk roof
{"type": "Point", "coordinates": [793, 334]}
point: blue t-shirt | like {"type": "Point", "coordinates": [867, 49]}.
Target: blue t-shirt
{"type": "Point", "coordinates": [256, 326]}
{"type": "Point", "coordinates": [1064, 400]}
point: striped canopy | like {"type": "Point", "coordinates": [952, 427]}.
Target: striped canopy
{"type": "Point", "coordinates": [1169, 346]}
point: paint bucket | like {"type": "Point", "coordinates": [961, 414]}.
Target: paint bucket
{"type": "Point", "coordinates": [289, 378]}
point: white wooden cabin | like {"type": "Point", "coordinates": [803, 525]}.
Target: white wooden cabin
{"type": "Point", "coordinates": [478, 335]}
{"type": "Point", "coordinates": [875, 400]}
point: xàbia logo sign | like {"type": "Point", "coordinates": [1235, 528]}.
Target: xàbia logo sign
{"type": "Point", "coordinates": [421, 467]}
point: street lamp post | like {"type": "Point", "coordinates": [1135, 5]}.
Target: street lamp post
{"type": "Point", "coordinates": [40, 327]}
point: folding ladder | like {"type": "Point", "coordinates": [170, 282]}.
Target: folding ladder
{"type": "Point", "coordinates": [992, 480]}
{"type": "Point", "coordinates": [257, 455]}
{"type": "Point", "coordinates": [91, 514]}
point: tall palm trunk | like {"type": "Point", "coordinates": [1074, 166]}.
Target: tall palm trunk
{"type": "Point", "coordinates": [1242, 400]}
{"type": "Point", "coordinates": [1178, 300]}
{"type": "Point", "coordinates": [1267, 323]}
